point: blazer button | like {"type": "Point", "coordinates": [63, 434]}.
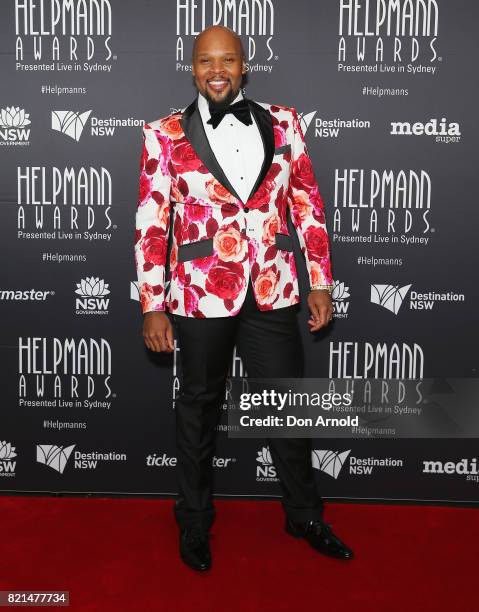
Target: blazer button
{"type": "Point", "coordinates": [246, 209]}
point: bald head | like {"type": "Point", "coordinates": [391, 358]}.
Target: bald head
{"type": "Point", "coordinates": [216, 34]}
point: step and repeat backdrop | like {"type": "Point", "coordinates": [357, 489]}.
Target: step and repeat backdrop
{"type": "Point", "coordinates": [387, 93]}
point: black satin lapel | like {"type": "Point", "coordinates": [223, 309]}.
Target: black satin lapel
{"type": "Point", "coordinates": [194, 130]}
{"type": "Point", "coordinates": [265, 125]}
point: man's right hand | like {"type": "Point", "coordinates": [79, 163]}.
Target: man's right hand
{"type": "Point", "coordinates": [158, 332]}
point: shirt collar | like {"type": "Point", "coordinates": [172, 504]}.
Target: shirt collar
{"type": "Point", "coordinates": [204, 108]}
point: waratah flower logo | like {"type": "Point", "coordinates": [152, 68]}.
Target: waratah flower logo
{"type": "Point", "coordinates": [92, 287]}
{"type": "Point", "coordinates": [14, 117]}
{"type": "Point", "coordinates": [7, 451]}
{"type": "Point", "coordinates": [340, 291]}
{"type": "Point", "coordinates": [264, 456]}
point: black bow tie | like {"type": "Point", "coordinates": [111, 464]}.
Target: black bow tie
{"type": "Point", "coordinates": [239, 109]}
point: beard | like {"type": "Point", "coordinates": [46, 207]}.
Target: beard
{"type": "Point", "coordinates": [217, 105]}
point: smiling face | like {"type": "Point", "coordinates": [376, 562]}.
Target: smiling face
{"type": "Point", "coordinates": [218, 65]}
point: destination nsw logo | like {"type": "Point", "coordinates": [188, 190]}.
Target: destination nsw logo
{"type": "Point", "coordinates": [71, 123]}
{"type": "Point", "coordinates": [323, 127]}
{"type": "Point", "coordinates": [57, 457]}
{"type": "Point", "coordinates": [391, 297]}
{"type": "Point", "coordinates": [332, 462]}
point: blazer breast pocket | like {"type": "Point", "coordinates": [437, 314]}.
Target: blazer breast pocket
{"type": "Point", "coordinates": [192, 250]}
{"type": "Point", "coordinates": [283, 242]}
{"type": "Point", "coordinates": [282, 149]}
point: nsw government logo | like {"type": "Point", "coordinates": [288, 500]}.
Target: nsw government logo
{"type": "Point", "coordinates": [92, 301]}
{"type": "Point", "coordinates": [7, 453]}
{"type": "Point", "coordinates": [265, 471]}
{"type": "Point", "coordinates": [13, 126]}
{"type": "Point", "coordinates": [340, 297]}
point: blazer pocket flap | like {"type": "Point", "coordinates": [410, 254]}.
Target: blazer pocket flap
{"type": "Point", "coordinates": [192, 250]}
{"type": "Point", "coordinates": [282, 149]}
{"type": "Point", "coordinates": [283, 242]}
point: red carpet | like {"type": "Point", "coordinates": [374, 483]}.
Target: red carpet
{"type": "Point", "coordinates": [121, 554]}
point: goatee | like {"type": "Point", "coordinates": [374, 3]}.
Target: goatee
{"type": "Point", "coordinates": [215, 105]}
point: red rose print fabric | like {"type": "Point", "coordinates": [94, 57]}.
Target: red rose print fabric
{"type": "Point", "coordinates": [177, 193]}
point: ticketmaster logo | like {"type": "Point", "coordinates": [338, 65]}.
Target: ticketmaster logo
{"type": "Point", "coordinates": [389, 296]}
{"type": "Point", "coordinates": [69, 123]}
{"type": "Point", "coordinates": [24, 295]}
{"type": "Point", "coordinates": [54, 456]}
{"type": "Point", "coordinates": [329, 461]}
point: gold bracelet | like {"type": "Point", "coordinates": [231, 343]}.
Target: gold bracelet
{"type": "Point", "coordinates": [328, 287]}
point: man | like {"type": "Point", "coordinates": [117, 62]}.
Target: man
{"type": "Point", "coordinates": [221, 174]}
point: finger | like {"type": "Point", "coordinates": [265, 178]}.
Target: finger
{"type": "Point", "coordinates": [319, 322]}
{"type": "Point", "coordinates": [170, 338]}
{"type": "Point", "coordinates": [315, 325]}
{"type": "Point", "coordinates": [323, 315]}
{"type": "Point", "coordinates": [165, 341]}
{"type": "Point", "coordinates": [315, 311]}
{"type": "Point", "coordinates": [152, 344]}
{"type": "Point", "coordinates": [162, 343]}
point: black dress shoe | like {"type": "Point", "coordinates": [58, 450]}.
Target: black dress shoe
{"type": "Point", "coordinates": [320, 537]}
{"type": "Point", "coordinates": [194, 548]}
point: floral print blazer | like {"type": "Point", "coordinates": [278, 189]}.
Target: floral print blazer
{"type": "Point", "coordinates": [217, 241]}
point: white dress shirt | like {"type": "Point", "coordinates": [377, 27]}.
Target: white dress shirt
{"type": "Point", "coordinates": [237, 147]}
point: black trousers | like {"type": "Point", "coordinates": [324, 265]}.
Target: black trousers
{"type": "Point", "coordinates": [269, 344]}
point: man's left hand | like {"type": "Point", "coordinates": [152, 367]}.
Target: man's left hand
{"type": "Point", "coordinates": [321, 307]}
